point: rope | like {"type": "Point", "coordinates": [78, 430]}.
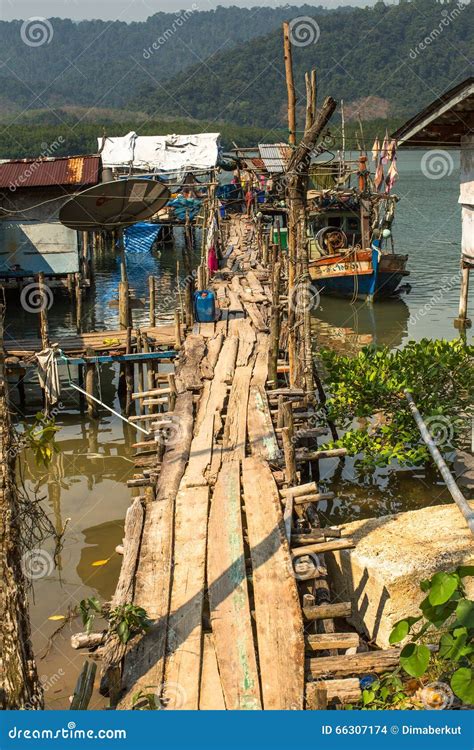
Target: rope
{"type": "Point", "coordinates": [93, 398]}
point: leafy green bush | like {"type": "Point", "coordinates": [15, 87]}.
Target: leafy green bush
{"type": "Point", "coordinates": [367, 399]}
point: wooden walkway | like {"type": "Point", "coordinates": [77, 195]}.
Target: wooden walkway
{"type": "Point", "coordinates": [214, 565]}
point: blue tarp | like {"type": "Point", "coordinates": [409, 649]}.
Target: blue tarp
{"type": "Point", "coordinates": [183, 206]}
{"type": "Point", "coordinates": [140, 237]}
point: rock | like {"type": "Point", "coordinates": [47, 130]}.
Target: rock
{"type": "Point", "coordinates": [381, 575]}
{"type": "Point", "coordinates": [464, 470]}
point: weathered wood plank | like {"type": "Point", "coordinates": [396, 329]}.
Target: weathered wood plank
{"type": "Point", "coordinates": [144, 663]}
{"type": "Point", "coordinates": [235, 429]}
{"type": "Point", "coordinates": [278, 616]}
{"type": "Point", "coordinates": [262, 438]}
{"type": "Point", "coordinates": [211, 697]}
{"type": "Point", "coordinates": [228, 594]}
{"type": "Point", "coordinates": [184, 647]}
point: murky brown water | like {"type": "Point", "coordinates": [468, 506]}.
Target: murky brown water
{"type": "Point", "coordinates": [87, 480]}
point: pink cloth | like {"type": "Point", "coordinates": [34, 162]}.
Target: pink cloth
{"type": "Point", "coordinates": [212, 262]}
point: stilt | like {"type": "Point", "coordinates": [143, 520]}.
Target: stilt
{"type": "Point", "coordinates": [152, 302]}
{"type": "Point", "coordinates": [92, 410]}
{"type": "Point", "coordinates": [463, 321]}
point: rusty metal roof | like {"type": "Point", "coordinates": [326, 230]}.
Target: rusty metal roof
{"type": "Point", "coordinates": [41, 172]}
{"type": "Point", "coordinates": [275, 156]}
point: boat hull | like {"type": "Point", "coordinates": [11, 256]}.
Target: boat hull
{"type": "Point", "coordinates": [342, 276]}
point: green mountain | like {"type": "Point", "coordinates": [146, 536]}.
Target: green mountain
{"type": "Point", "coordinates": [385, 61]}
{"type": "Point", "coordinates": [56, 62]}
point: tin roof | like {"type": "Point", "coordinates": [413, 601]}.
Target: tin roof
{"type": "Point", "coordinates": [275, 156]}
{"type": "Point", "coordinates": [41, 172]}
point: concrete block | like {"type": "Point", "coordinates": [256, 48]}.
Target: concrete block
{"type": "Point", "coordinates": [381, 575]}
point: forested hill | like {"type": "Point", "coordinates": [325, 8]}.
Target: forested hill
{"type": "Point", "coordinates": [378, 52]}
{"type": "Point", "coordinates": [56, 62]}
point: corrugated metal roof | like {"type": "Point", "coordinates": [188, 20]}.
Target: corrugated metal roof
{"type": "Point", "coordinates": [275, 156]}
{"type": "Point", "coordinates": [26, 173]}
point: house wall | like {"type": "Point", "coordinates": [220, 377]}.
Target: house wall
{"type": "Point", "coordinates": [466, 197]}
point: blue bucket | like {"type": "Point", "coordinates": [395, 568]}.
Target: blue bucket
{"type": "Point", "coordinates": [205, 306]}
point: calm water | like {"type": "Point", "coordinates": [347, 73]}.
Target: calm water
{"type": "Point", "coordinates": [86, 483]}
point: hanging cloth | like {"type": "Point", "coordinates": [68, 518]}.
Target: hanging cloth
{"type": "Point", "coordinates": [392, 150]}
{"type": "Point", "coordinates": [379, 175]}
{"type": "Point", "coordinates": [212, 262]}
{"type": "Point", "coordinates": [375, 150]}
{"type": "Point", "coordinates": [48, 373]}
{"type": "Point", "coordinates": [385, 148]}
{"type": "Point", "coordinates": [392, 175]}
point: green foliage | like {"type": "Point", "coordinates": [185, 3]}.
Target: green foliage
{"type": "Point", "coordinates": [143, 701]}
{"type": "Point", "coordinates": [368, 40]}
{"type": "Point", "coordinates": [447, 621]}
{"type": "Point", "coordinates": [367, 399]}
{"type": "Point", "coordinates": [40, 438]}
{"type": "Point", "coordinates": [388, 692]}
{"type": "Point", "coordinates": [126, 620]}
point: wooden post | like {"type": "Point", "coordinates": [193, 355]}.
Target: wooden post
{"type": "Point", "coordinates": [275, 327]}
{"type": "Point", "coordinates": [462, 321]}
{"type": "Point", "coordinates": [297, 241]}
{"type": "Point", "coordinates": [290, 85]}
{"type": "Point", "coordinates": [177, 329]}
{"type": "Point", "coordinates": [291, 476]}
{"type": "Point", "coordinates": [78, 290]}
{"type": "Point", "coordinates": [172, 385]}
{"type": "Point", "coordinates": [140, 383]}
{"type": "Point", "coordinates": [92, 410]}
{"type": "Point", "coordinates": [188, 269]}
{"type": "Point", "coordinates": [129, 374]}
{"type": "Point", "coordinates": [84, 687]}
{"type": "Point", "coordinates": [43, 308]}
{"type": "Point", "coordinates": [152, 301]}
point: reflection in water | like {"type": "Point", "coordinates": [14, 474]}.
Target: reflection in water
{"type": "Point", "coordinates": [337, 324]}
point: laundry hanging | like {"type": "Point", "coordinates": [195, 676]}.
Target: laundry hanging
{"type": "Point", "coordinates": [48, 373]}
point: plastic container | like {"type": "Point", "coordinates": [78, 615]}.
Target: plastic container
{"type": "Point", "coordinates": [205, 306]}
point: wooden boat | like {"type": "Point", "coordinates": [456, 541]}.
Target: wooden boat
{"type": "Point", "coordinates": [351, 244]}
{"type": "Point", "coordinates": [368, 273]}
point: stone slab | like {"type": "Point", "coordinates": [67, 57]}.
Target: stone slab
{"type": "Point", "coordinates": [392, 555]}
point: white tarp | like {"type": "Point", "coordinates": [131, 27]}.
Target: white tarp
{"type": "Point", "coordinates": [166, 153]}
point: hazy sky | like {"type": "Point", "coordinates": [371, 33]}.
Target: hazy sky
{"type": "Point", "coordinates": [131, 10]}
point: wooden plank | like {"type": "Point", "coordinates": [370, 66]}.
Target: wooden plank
{"type": "Point", "coordinates": [208, 364]}
{"type": "Point", "coordinates": [277, 607]}
{"type": "Point", "coordinates": [348, 664]}
{"type": "Point", "coordinates": [328, 611]}
{"type": "Point", "coordinates": [260, 370]}
{"type": "Point", "coordinates": [144, 663]}
{"type": "Point", "coordinates": [235, 429]}
{"type": "Point", "coordinates": [262, 438]}
{"type": "Point", "coordinates": [325, 641]}
{"type": "Point", "coordinates": [211, 697]}
{"type": "Point", "coordinates": [184, 644]}
{"type": "Point", "coordinates": [188, 373]}
{"type": "Point", "coordinates": [228, 594]}
{"type": "Point", "coordinates": [247, 339]}
{"type": "Point", "coordinates": [344, 691]}
{"type": "Point", "coordinates": [320, 547]}
{"type": "Point", "coordinates": [256, 317]}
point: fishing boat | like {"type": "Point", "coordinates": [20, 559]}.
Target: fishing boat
{"type": "Point", "coordinates": [351, 244]}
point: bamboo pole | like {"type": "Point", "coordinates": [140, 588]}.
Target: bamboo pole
{"type": "Point", "coordinates": [152, 301]}
{"type": "Point", "coordinates": [454, 490]}
{"type": "Point", "coordinates": [462, 321]}
{"type": "Point", "coordinates": [290, 85]}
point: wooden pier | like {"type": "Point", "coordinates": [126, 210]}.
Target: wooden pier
{"type": "Point", "coordinates": [223, 549]}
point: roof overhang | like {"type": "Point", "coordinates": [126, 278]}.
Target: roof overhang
{"type": "Point", "coordinates": [442, 123]}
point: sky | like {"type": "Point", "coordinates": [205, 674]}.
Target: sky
{"type": "Point", "coordinates": [132, 10]}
